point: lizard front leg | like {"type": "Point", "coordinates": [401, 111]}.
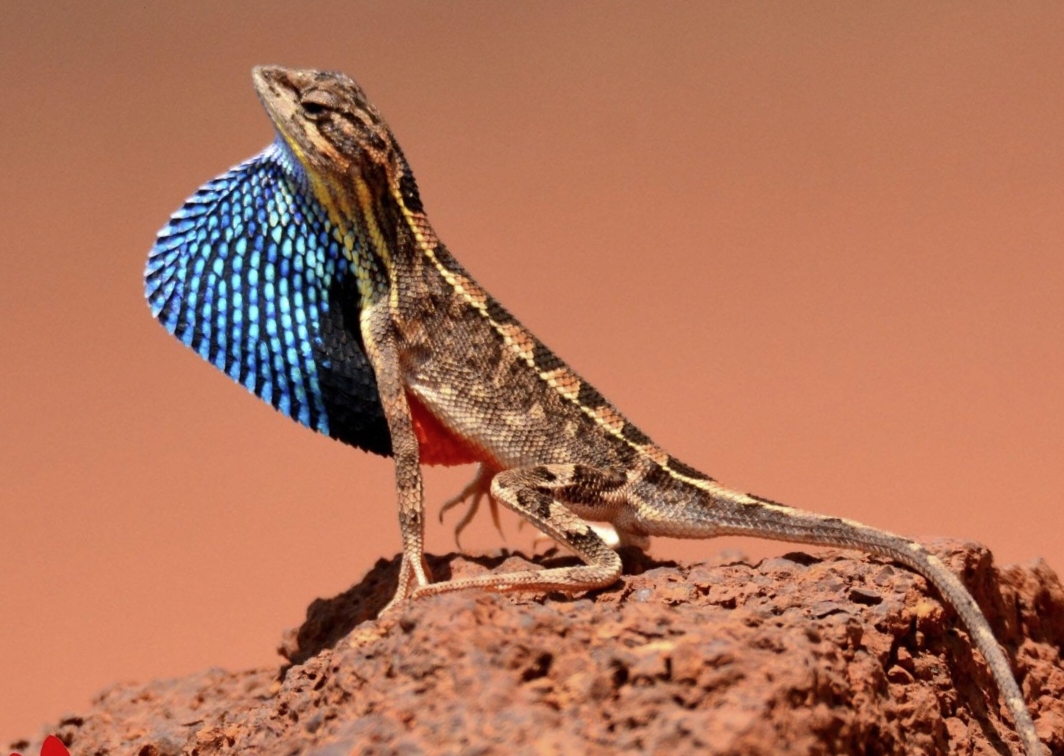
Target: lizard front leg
{"type": "Point", "coordinates": [546, 496]}
{"type": "Point", "coordinates": [382, 350]}
{"type": "Point", "coordinates": [475, 490]}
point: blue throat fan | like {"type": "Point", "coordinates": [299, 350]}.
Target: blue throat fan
{"type": "Point", "coordinates": [249, 275]}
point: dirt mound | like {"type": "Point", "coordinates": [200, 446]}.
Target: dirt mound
{"type": "Point", "coordinates": [802, 654]}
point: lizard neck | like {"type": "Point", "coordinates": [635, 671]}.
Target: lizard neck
{"type": "Point", "coordinates": [379, 219]}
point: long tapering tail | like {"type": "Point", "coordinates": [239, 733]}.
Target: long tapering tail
{"type": "Point", "coordinates": [731, 513]}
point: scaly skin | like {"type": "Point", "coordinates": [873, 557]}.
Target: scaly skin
{"type": "Point", "coordinates": [460, 380]}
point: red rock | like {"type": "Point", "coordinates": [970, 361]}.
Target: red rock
{"type": "Point", "coordinates": [826, 654]}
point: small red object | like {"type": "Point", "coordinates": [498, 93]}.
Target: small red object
{"type": "Point", "coordinates": [53, 746]}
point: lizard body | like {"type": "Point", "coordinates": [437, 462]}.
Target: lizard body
{"type": "Point", "coordinates": [404, 353]}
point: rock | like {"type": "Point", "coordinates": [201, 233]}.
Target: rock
{"type": "Point", "coordinates": [821, 653]}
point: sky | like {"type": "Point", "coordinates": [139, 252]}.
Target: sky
{"type": "Point", "coordinates": [813, 250]}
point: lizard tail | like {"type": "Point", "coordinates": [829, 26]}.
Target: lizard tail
{"type": "Point", "coordinates": [750, 515]}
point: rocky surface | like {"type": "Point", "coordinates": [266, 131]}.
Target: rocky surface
{"type": "Point", "coordinates": [828, 653]}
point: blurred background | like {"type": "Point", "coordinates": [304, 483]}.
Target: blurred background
{"type": "Point", "coordinates": [814, 250]}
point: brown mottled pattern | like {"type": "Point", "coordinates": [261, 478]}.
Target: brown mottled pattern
{"type": "Point", "coordinates": [563, 453]}
{"type": "Point", "coordinates": [566, 383]}
{"type": "Point", "coordinates": [656, 453]}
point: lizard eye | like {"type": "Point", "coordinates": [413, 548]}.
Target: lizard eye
{"type": "Point", "coordinates": [317, 103]}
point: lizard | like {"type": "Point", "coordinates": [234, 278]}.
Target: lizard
{"type": "Point", "coordinates": [311, 275]}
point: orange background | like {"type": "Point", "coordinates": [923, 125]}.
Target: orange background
{"type": "Point", "coordinates": [815, 250]}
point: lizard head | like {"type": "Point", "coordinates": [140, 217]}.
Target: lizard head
{"type": "Point", "coordinates": [335, 133]}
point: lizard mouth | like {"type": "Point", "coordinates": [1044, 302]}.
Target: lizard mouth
{"type": "Point", "coordinates": [279, 90]}
{"type": "Point", "coordinates": [263, 75]}
{"type": "Point", "coordinates": [278, 93]}
{"type": "Point", "coordinates": [272, 80]}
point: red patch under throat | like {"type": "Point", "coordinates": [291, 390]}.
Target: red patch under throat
{"type": "Point", "coordinates": [437, 444]}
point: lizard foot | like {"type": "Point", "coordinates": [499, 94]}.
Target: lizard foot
{"type": "Point", "coordinates": [476, 489]}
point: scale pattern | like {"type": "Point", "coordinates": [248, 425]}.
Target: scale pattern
{"type": "Point", "coordinates": [249, 275]}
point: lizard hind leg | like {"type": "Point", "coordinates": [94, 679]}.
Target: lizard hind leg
{"type": "Point", "coordinates": [539, 495]}
{"type": "Point", "coordinates": [610, 535]}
